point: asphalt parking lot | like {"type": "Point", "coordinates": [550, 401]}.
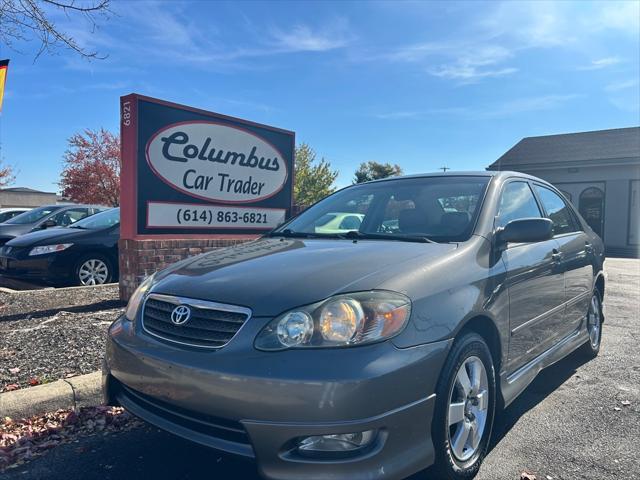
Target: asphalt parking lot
{"type": "Point", "coordinates": [577, 420]}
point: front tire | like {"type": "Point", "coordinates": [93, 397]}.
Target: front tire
{"type": "Point", "coordinates": [93, 269]}
{"type": "Point", "coordinates": [465, 409]}
{"type": "Point", "coordinates": [594, 326]}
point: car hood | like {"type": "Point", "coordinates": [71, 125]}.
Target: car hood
{"type": "Point", "coordinates": [45, 237]}
{"type": "Point", "coordinates": [272, 275]}
{"type": "Point", "coordinates": [8, 230]}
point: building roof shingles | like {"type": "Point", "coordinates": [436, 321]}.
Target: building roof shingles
{"type": "Point", "coordinates": [619, 143]}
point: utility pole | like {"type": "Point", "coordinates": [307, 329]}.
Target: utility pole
{"type": "Point", "coordinates": [444, 169]}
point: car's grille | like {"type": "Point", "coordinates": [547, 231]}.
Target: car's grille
{"type": "Point", "coordinates": [209, 325]}
{"type": "Point", "coordinates": [209, 425]}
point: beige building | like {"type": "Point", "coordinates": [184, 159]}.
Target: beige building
{"type": "Point", "coordinates": [599, 172]}
{"type": "Point", "coordinates": [25, 197]}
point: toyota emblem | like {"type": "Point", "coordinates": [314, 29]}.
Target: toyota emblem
{"type": "Point", "coordinates": [180, 315]}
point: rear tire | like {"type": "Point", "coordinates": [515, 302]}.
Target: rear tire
{"type": "Point", "coordinates": [594, 326]}
{"type": "Point", "coordinates": [93, 269]}
{"type": "Point", "coordinates": [465, 409]}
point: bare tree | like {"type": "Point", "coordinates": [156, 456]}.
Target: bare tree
{"type": "Point", "coordinates": [24, 20]}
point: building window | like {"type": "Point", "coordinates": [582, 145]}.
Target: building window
{"type": "Point", "coordinates": [591, 207]}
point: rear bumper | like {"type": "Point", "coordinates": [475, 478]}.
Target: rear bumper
{"type": "Point", "coordinates": [257, 404]}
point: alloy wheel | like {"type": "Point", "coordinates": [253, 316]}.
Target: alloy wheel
{"type": "Point", "coordinates": [93, 272]}
{"type": "Point", "coordinates": [594, 321]}
{"type": "Point", "coordinates": [468, 407]}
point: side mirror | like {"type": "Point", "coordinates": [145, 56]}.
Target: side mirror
{"type": "Point", "coordinates": [525, 230]}
{"type": "Point", "coordinates": [48, 224]}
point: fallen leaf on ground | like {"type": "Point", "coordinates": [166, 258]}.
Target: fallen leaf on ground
{"type": "Point", "coordinates": [34, 381]}
{"type": "Point", "coordinates": [625, 403]}
{"type": "Point", "coordinates": [11, 387]}
{"type": "Point", "coordinates": [25, 439]}
{"type": "Point", "coordinates": [14, 370]}
{"type": "Point", "coordinates": [527, 476]}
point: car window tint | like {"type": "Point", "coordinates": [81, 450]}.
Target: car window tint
{"type": "Point", "coordinates": [32, 216]}
{"type": "Point", "coordinates": [411, 206]}
{"type": "Point", "coordinates": [72, 215]}
{"type": "Point", "coordinates": [517, 201]}
{"type": "Point", "coordinates": [392, 211]}
{"type": "Point", "coordinates": [350, 222]}
{"type": "Point", "coordinates": [323, 220]}
{"type": "Point", "coordinates": [104, 219]}
{"type": "Point", "coordinates": [557, 210]}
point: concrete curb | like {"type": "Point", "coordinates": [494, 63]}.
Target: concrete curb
{"type": "Point", "coordinates": [74, 392]}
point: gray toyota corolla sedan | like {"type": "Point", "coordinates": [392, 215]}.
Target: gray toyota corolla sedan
{"type": "Point", "coordinates": [373, 348]}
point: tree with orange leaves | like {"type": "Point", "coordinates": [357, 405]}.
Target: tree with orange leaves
{"type": "Point", "coordinates": [6, 175]}
{"type": "Point", "coordinates": [91, 171]}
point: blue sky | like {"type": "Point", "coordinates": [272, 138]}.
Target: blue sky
{"type": "Point", "coordinates": [420, 84]}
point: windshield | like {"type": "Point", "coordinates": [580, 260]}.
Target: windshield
{"type": "Point", "coordinates": [32, 216]}
{"type": "Point", "coordinates": [100, 220]}
{"type": "Point", "coordinates": [437, 208]}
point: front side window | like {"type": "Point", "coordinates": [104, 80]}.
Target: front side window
{"type": "Point", "coordinates": [104, 219]}
{"type": "Point", "coordinates": [438, 208]}
{"type": "Point", "coordinates": [32, 216]}
{"type": "Point", "coordinates": [557, 211]}
{"type": "Point", "coordinates": [516, 202]}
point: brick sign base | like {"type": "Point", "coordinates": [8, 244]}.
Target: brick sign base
{"type": "Point", "coordinates": [140, 258]}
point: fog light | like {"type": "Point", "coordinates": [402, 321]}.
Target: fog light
{"type": "Point", "coordinates": [341, 443]}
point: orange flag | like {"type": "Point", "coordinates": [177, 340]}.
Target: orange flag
{"type": "Point", "coordinates": [4, 65]}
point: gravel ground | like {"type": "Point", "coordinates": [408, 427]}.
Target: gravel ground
{"type": "Point", "coordinates": [50, 334]}
{"type": "Point", "coordinates": [577, 420]}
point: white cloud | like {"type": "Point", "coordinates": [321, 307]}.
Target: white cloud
{"type": "Point", "coordinates": [464, 62]}
{"type": "Point", "coordinates": [530, 104]}
{"type": "Point", "coordinates": [470, 73]}
{"type": "Point", "coordinates": [623, 85]}
{"type": "Point", "coordinates": [400, 115]}
{"type": "Point", "coordinates": [497, 110]}
{"type": "Point", "coordinates": [302, 38]}
{"type": "Point", "coordinates": [621, 16]}
{"type": "Point", "coordinates": [502, 31]}
{"type": "Point", "coordinates": [601, 63]}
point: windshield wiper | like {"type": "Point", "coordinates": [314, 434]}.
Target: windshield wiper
{"type": "Point", "coordinates": [287, 232]}
{"type": "Point", "coordinates": [356, 235]}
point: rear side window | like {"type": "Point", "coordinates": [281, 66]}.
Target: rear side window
{"type": "Point", "coordinates": [557, 211]}
{"type": "Point", "coordinates": [72, 215]}
{"type": "Point", "coordinates": [516, 202]}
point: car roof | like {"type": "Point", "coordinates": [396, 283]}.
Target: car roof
{"type": "Point", "coordinates": [473, 173]}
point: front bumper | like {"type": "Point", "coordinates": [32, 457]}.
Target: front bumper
{"type": "Point", "coordinates": [53, 267]}
{"type": "Point", "coordinates": [256, 404]}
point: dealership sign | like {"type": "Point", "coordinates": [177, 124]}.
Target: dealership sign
{"type": "Point", "coordinates": [189, 171]}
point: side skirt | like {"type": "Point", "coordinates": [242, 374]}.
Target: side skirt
{"type": "Point", "coordinates": [512, 385]}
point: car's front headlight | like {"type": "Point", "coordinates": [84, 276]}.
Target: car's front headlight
{"type": "Point", "coordinates": [343, 320]}
{"type": "Point", "coordinates": [137, 297]}
{"type": "Point", "coordinates": [49, 249]}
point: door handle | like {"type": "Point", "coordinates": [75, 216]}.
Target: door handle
{"type": "Point", "coordinates": [556, 256]}
{"type": "Point", "coordinates": [588, 247]}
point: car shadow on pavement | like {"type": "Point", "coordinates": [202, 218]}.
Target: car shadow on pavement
{"type": "Point", "coordinates": [48, 312]}
{"type": "Point", "coordinates": [547, 381]}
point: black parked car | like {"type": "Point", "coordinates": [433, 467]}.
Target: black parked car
{"type": "Point", "coordinates": [85, 253]}
{"type": "Point", "coordinates": [45, 217]}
